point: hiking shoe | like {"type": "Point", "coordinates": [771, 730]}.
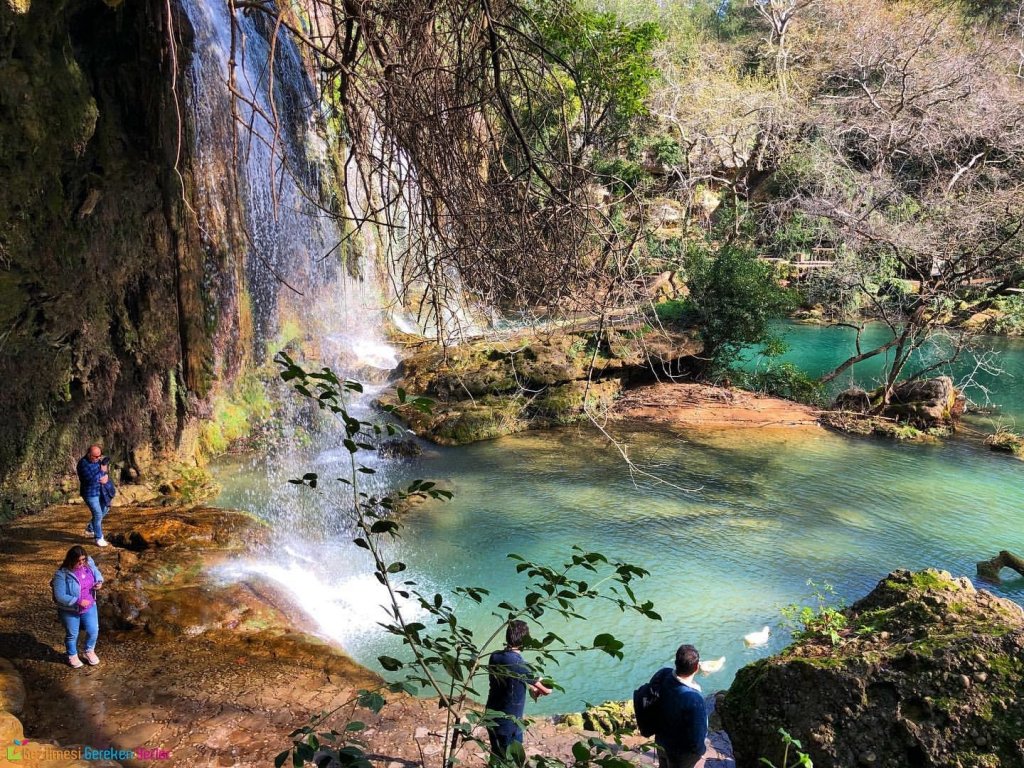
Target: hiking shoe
{"type": "Point", "coordinates": [89, 531]}
{"type": "Point", "coordinates": [101, 542]}
{"type": "Point", "coordinates": [75, 662]}
{"type": "Point", "coordinates": [91, 658]}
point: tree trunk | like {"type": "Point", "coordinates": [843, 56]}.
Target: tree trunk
{"type": "Point", "coordinates": [989, 569]}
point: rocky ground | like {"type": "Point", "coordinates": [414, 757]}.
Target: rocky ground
{"type": "Point", "coordinates": [215, 675]}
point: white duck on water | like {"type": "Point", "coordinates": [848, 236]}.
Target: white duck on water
{"type": "Point", "coordinates": [757, 638]}
{"type": "Point", "coordinates": [712, 665]}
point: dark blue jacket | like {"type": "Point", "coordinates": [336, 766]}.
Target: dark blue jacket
{"type": "Point", "coordinates": [508, 676]}
{"type": "Point", "coordinates": [107, 490]}
{"type": "Point", "coordinates": [89, 477]}
{"type": "Point", "coordinates": [683, 720]}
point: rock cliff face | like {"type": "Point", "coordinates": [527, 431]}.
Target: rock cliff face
{"type": "Point", "coordinates": [110, 309]}
{"type": "Point", "coordinates": [929, 675]}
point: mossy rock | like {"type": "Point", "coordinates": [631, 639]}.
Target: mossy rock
{"type": "Point", "coordinates": [484, 420]}
{"type": "Point", "coordinates": [608, 718]}
{"type": "Point", "coordinates": [490, 388]}
{"type": "Point", "coordinates": [929, 673]}
{"type": "Point", "coordinates": [1006, 441]}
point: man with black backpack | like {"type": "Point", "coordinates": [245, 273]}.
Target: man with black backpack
{"type": "Point", "coordinates": [672, 707]}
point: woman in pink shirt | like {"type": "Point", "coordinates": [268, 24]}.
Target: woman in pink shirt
{"type": "Point", "coordinates": [74, 591]}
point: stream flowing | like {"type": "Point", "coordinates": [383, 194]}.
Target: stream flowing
{"type": "Point", "coordinates": [774, 509]}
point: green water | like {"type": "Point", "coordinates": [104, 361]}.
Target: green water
{"type": "Point", "coordinates": [996, 387]}
{"type": "Point", "coordinates": [772, 510]}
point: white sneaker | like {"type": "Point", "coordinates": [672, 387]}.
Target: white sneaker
{"type": "Point", "coordinates": [102, 543]}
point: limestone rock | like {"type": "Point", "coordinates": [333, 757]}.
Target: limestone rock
{"type": "Point", "coordinates": [12, 689]}
{"type": "Point", "coordinates": [926, 403]}
{"type": "Point", "coordinates": [10, 729]}
{"type": "Point", "coordinates": [894, 688]}
{"type": "Point", "coordinates": [923, 404]}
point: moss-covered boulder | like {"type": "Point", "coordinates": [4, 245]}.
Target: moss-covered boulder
{"type": "Point", "coordinates": [610, 717]}
{"type": "Point", "coordinates": [930, 674]}
{"type": "Point", "coordinates": [499, 386]}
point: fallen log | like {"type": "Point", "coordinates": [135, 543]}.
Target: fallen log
{"type": "Point", "coordinates": [989, 569]}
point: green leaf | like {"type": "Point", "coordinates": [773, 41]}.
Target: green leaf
{"type": "Point", "coordinates": [371, 700]}
{"type": "Point", "coordinates": [580, 751]}
{"type": "Point", "coordinates": [355, 725]}
{"type": "Point", "coordinates": [390, 663]}
{"type": "Point", "coordinates": [282, 757]}
{"type": "Point", "coordinates": [607, 643]}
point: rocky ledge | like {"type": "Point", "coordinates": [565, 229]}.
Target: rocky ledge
{"type": "Point", "coordinates": [496, 387]}
{"type": "Point", "coordinates": [928, 674]}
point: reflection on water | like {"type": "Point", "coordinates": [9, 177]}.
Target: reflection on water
{"type": "Point", "coordinates": [775, 509]}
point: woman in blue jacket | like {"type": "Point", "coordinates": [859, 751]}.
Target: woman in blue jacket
{"type": "Point", "coordinates": [74, 590]}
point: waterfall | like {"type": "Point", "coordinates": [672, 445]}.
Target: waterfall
{"type": "Point", "coordinates": [258, 177]}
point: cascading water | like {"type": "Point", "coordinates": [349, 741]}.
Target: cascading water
{"type": "Point", "coordinates": [260, 152]}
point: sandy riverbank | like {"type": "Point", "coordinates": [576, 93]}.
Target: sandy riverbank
{"type": "Point", "coordinates": [699, 406]}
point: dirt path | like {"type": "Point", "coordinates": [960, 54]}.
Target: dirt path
{"type": "Point", "coordinates": [217, 697]}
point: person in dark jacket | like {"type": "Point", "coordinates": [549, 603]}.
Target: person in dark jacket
{"type": "Point", "coordinates": [93, 474]}
{"type": "Point", "coordinates": [510, 677]}
{"type": "Point", "coordinates": [682, 718]}
{"type": "Point", "coordinates": [74, 587]}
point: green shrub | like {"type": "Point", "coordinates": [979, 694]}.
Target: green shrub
{"type": "Point", "coordinates": [1011, 321]}
{"type": "Point", "coordinates": [782, 380]}
{"type": "Point", "coordinates": [677, 312]}
{"type": "Point", "coordinates": [822, 620]}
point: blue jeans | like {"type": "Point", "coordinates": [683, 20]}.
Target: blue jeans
{"type": "Point", "coordinates": [98, 513]}
{"type": "Point", "coordinates": [502, 734]}
{"type": "Point", "coordinates": [74, 622]}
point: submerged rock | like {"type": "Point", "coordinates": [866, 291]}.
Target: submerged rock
{"type": "Point", "coordinates": [929, 674]}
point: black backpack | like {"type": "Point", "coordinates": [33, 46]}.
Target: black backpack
{"type": "Point", "coordinates": [647, 707]}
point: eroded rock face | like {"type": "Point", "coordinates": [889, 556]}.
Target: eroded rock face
{"type": "Point", "coordinates": [923, 404]}
{"type": "Point", "coordinates": [927, 403]}
{"type": "Point", "coordinates": [492, 388]}
{"type": "Point", "coordinates": [930, 674]}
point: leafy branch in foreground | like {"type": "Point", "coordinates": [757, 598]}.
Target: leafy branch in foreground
{"type": "Point", "coordinates": [448, 659]}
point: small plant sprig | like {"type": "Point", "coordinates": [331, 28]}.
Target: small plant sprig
{"type": "Point", "coordinates": [447, 659]}
{"type": "Point", "coordinates": [824, 620]}
{"type": "Point", "coordinates": [802, 759]}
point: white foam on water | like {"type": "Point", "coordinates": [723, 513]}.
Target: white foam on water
{"type": "Point", "coordinates": [345, 609]}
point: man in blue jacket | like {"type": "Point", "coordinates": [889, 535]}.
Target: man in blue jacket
{"type": "Point", "coordinates": [92, 474]}
{"type": "Point", "coordinates": [682, 718]}
{"type": "Point", "coordinates": [510, 677]}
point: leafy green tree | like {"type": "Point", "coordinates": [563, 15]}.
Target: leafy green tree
{"type": "Point", "coordinates": [733, 300]}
